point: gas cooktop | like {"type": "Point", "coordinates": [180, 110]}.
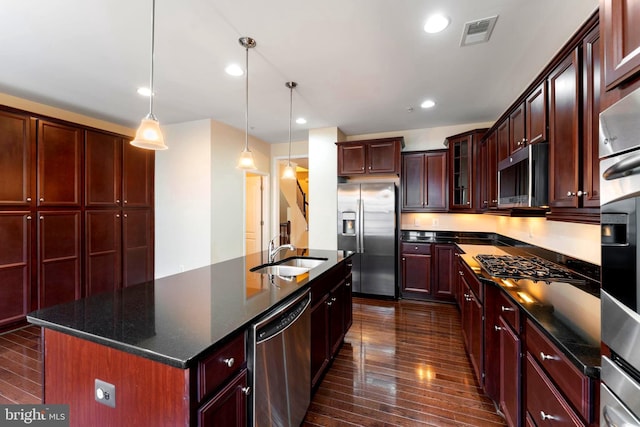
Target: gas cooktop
{"type": "Point", "coordinates": [521, 267]}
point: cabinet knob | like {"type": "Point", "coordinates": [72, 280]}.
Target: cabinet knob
{"type": "Point", "coordinates": [28, 199]}
{"type": "Point", "coordinates": [547, 416]}
{"type": "Point", "coordinates": [460, 271]}
{"type": "Point", "coordinates": [229, 362]}
{"type": "Point", "coordinates": [570, 194]}
{"type": "Point", "coordinates": [582, 193]}
{"type": "Point", "coordinates": [415, 247]}
{"type": "Point", "coordinates": [28, 217]}
{"type": "Point", "coordinates": [41, 217]}
{"type": "Point", "coordinates": [125, 202]}
{"type": "Point", "coordinates": [494, 201]}
{"type": "Point", "coordinates": [333, 299]}
{"type": "Point", "coordinates": [117, 215]}
{"type": "Point", "coordinates": [548, 356]}
{"type": "Point", "coordinates": [510, 159]}
{"type": "Point", "coordinates": [125, 215]}
{"type": "Point", "coordinates": [42, 199]}
{"type": "Point", "coordinates": [246, 390]}
{"type": "Point", "coordinates": [329, 303]}
{"type": "Point", "coordinates": [118, 201]}
{"type": "Point", "coordinates": [497, 328]}
{"type": "Point", "coordinates": [503, 308]}
{"type": "Point", "coordinates": [468, 203]}
{"type": "Point", "coordinates": [369, 167]}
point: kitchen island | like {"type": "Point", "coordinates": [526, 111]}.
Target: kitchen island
{"type": "Point", "coordinates": [162, 344]}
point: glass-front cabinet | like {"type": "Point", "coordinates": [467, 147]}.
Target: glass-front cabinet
{"type": "Point", "coordinates": [461, 172]}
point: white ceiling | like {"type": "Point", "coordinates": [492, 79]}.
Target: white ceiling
{"type": "Point", "coordinates": [360, 64]}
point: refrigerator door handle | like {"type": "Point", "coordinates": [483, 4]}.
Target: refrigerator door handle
{"type": "Point", "coordinates": [361, 223]}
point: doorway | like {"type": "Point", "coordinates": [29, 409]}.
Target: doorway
{"type": "Point", "coordinates": [254, 227]}
{"type": "Point", "coordinates": [293, 203]}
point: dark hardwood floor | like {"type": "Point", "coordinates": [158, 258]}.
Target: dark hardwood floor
{"type": "Point", "coordinates": [402, 364]}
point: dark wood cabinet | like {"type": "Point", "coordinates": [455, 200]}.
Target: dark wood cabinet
{"type": "Point", "coordinates": [336, 303]}
{"type": "Point", "coordinates": [103, 170]}
{"type": "Point", "coordinates": [564, 133]}
{"type": "Point", "coordinates": [416, 270]}
{"type": "Point", "coordinates": [445, 271]}
{"type": "Point", "coordinates": [59, 176]}
{"type": "Point", "coordinates": [472, 319]}
{"type": "Point", "coordinates": [591, 88]}
{"type": "Point", "coordinates": [15, 265]}
{"type": "Point", "coordinates": [375, 156]}
{"type": "Point", "coordinates": [620, 21]}
{"type": "Point", "coordinates": [424, 181]}
{"type": "Point", "coordinates": [17, 153]}
{"type": "Point", "coordinates": [137, 246]}
{"type": "Point", "coordinates": [464, 191]}
{"type": "Point", "coordinates": [228, 407]}
{"type": "Point", "coordinates": [510, 350]}
{"type": "Point", "coordinates": [492, 171]}
{"type": "Point", "coordinates": [320, 349]}
{"type": "Point", "coordinates": [517, 131]}
{"type": "Point", "coordinates": [536, 115]}
{"type": "Point", "coordinates": [103, 246]}
{"type": "Point", "coordinates": [502, 136]}
{"type": "Point", "coordinates": [137, 176]}
{"type": "Point", "coordinates": [59, 255]}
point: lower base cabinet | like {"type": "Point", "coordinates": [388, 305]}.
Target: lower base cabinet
{"type": "Point", "coordinates": [428, 271]}
{"type": "Point", "coordinates": [228, 407]}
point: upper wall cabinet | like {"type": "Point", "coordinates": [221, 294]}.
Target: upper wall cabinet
{"type": "Point", "coordinates": [621, 35]}
{"type": "Point", "coordinates": [17, 145]}
{"type": "Point", "coordinates": [375, 156]}
{"type": "Point", "coordinates": [464, 189]}
{"type": "Point", "coordinates": [424, 181]}
{"type": "Point", "coordinates": [536, 115]}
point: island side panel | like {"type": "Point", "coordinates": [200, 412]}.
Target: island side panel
{"type": "Point", "coordinates": [147, 392]}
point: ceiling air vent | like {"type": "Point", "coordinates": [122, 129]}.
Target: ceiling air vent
{"type": "Point", "coordinates": [478, 31]}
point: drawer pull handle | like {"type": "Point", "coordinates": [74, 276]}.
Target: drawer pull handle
{"type": "Point", "coordinates": [498, 328]}
{"type": "Point", "coordinates": [548, 356]}
{"type": "Point", "coordinates": [503, 308]}
{"type": "Point", "coordinates": [246, 391]}
{"type": "Point", "coordinates": [460, 272]}
{"type": "Point", "coordinates": [329, 303]}
{"type": "Point", "coordinates": [333, 299]}
{"type": "Point", "coordinates": [547, 416]}
{"type": "Point", "coordinates": [229, 362]}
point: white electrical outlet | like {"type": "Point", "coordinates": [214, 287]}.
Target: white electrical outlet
{"type": "Point", "coordinates": [105, 393]}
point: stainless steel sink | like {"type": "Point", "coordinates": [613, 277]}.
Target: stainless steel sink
{"type": "Point", "coordinates": [293, 266]}
{"type": "Point", "coordinates": [305, 262]}
{"type": "Point", "coordinates": [280, 270]}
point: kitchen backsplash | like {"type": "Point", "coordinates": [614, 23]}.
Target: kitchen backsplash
{"type": "Point", "coordinates": [581, 241]}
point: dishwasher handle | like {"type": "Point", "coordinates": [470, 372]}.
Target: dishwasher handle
{"type": "Point", "coordinates": [279, 321]}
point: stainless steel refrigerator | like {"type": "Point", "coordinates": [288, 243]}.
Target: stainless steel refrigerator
{"type": "Point", "coordinates": [367, 225]}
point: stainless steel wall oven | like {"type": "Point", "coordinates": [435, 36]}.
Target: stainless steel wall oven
{"type": "Point", "coordinates": [620, 217]}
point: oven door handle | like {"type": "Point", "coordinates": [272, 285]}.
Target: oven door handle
{"type": "Point", "coordinates": [625, 167]}
{"type": "Point", "coordinates": [615, 418]}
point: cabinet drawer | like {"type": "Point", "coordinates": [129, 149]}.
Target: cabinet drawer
{"type": "Point", "coordinates": [471, 279]}
{"type": "Point", "coordinates": [509, 311]}
{"type": "Point", "coordinates": [574, 385]}
{"type": "Point", "coordinates": [216, 368]}
{"type": "Point", "coordinates": [545, 404]}
{"type": "Point", "coordinates": [416, 248]}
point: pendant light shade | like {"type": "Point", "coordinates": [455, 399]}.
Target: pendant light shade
{"type": "Point", "coordinates": [246, 157]}
{"type": "Point", "coordinates": [148, 135]}
{"type": "Point", "coordinates": [289, 171]}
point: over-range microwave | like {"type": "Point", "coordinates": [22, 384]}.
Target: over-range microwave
{"type": "Point", "coordinates": [523, 180]}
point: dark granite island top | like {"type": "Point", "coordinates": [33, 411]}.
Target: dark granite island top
{"type": "Point", "coordinates": [175, 319]}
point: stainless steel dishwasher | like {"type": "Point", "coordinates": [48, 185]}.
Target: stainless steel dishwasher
{"type": "Point", "coordinates": [281, 361]}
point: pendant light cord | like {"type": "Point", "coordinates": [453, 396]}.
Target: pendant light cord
{"type": "Point", "coordinates": [290, 114]}
{"type": "Point", "coordinates": [153, 33]}
{"type": "Point", "coordinates": [246, 99]}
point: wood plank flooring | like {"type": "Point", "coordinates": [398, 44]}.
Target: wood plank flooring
{"type": "Point", "coordinates": [402, 364]}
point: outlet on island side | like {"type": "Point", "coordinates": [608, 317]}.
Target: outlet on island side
{"type": "Point", "coordinates": [105, 393]}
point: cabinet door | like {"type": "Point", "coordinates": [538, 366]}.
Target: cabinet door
{"type": "Point", "coordinates": [320, 353]}
{"type": "Point", "coordinates": [59, 164]}
{"type": "Point", "coordinates": [477, 341]}
{"type": "Point", "coordinates": [15, 266]}
{"type": "Point", "coordinates": [137, 247]}
{"type": "Point", "coordinates": [509, 373]}
{"type": "Point", "coordinates": [103, 163]}
{"type": "Point", "coordinates": [445, 273]}
{"type": "Point", "coordinates": [351, 159]}
{"type": "Point", "coordinates": [621, 31]}
{"type": "Point", "coordinates": [384, 157]}
{"type": "Point", "coordinates": [492, 169]}
{"type": "Point", "coordinates": [103, 235]}
{"type": "Point", "coordinates": [536, 115]}
{"type": "Point", "coordinates": [416, 273]}
{"type": "Point", "coordinates": [517, 137]}
{"type": "Point", "coordinates": [137, 176]}
{"type": "Point", "coordinates": [482, 180]}
{"type": "Point", "coordinates": [413, 181]}
{"type": "Point", "coordinates": [228, 407]}
{"type": "Point", "coordinates": [348, 304]}
{"type": "Point", "coordinates": [503, 140]}
{"type": "Point", "coordinates": [461, 183]}
{"type": "Point", "coordinates": [590, 193]}
{"type": "Point", "coordinates": [436, 175]}
{"type": "Point", "coordinates": [59, 257]}
{"type": "Point", "coordinates": [563, 133]}
{"type": "Point", "coordinates": [336, 317]}
{"type": "Point", "coordinates": [16, 169]}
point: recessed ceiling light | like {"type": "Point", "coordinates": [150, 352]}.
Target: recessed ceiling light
{"type": "Point", "coordinates": [428, 104]}
{"type": "Point", "coordinates": [234, 70]}
{"type": "Point", "coordinates": [301, 120]}
{"type": "Point", "coordinates": [144, 91]}
{"type": "Point", "coordinates": [436, 23]}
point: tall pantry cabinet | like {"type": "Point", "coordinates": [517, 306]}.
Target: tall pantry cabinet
{"type": "Point", "coordinates": [59, 182]}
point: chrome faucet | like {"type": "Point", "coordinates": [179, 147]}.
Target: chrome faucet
{"type": "Point", "coordinates": [273, 250]}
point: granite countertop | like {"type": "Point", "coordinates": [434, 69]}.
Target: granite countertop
{"type": "Point", "coordinates": [583, 354]}
{"type": "Point", "coordinates": [176, 318]}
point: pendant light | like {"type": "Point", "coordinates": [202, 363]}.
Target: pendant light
{"type": "Point", "coordinates": [246, 157]}
{"type": "Point", "coordinates": [289, 171]}
{"type": "Point", "coordinates": [148, 135]}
